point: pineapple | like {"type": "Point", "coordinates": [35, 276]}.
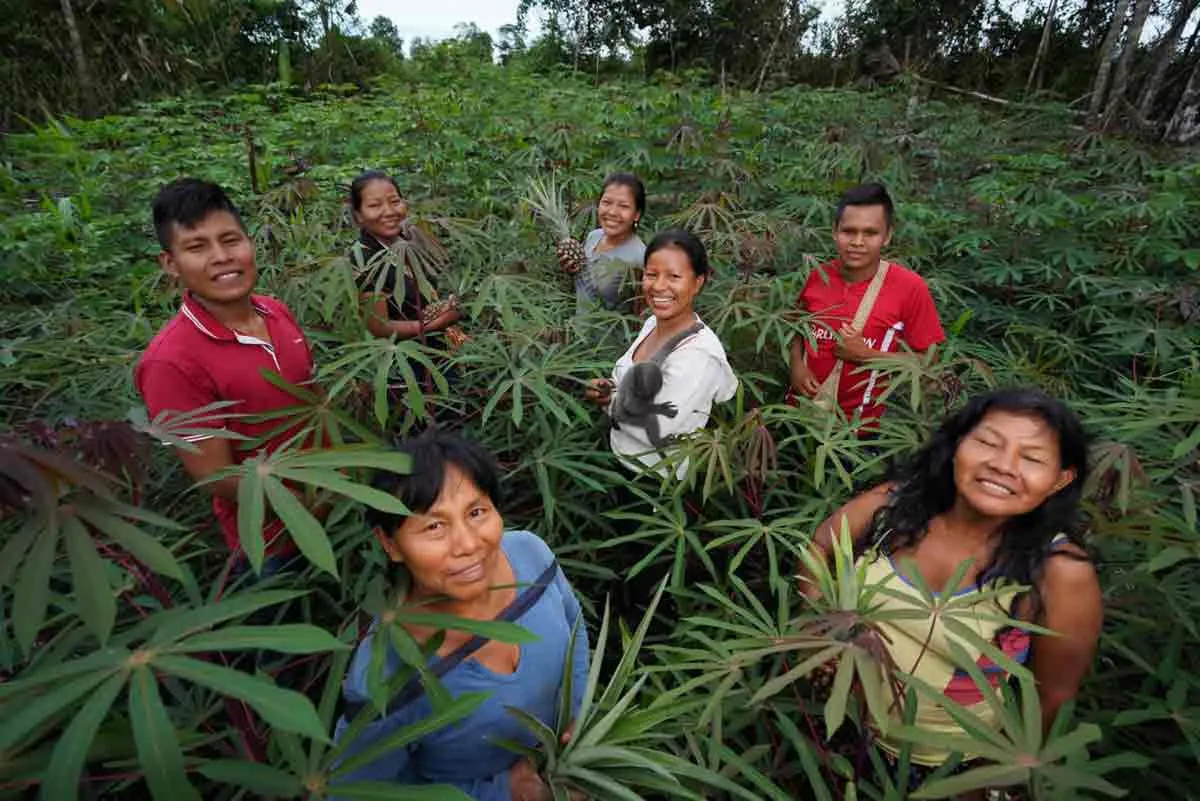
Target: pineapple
{"type": "Point", "coordinates": [547, 203]}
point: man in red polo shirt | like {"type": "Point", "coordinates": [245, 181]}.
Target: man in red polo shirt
{"type": "Point", "coordinates": [902, 323]}
{"type": "Point", "coordinates": [215, 347]}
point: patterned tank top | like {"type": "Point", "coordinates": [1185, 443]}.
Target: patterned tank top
{"type": "Point", "coordinates": [921, 647]}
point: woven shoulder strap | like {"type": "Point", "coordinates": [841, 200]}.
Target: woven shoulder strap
{"type": "Point", "coordinates": [414, 689]}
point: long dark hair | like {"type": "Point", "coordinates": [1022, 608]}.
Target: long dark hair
{"type": "Point", "coordinates": [924, 488]}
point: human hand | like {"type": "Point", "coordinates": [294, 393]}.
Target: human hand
{"type": "Point", "coordinates": [525, 784]}
{"type": "Point", "coordinates": [852, 347]}
{"type": "Point", "coordinates": [803, 381]}
{"type": "Point", "coordinates": [599, 391]}
{"type": "Point", "coordinates": [446, 318]}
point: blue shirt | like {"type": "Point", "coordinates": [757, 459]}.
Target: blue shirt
{"type": "Point", "coordinates": [464, 754]}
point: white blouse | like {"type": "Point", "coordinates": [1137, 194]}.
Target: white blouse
{"type": "Point", "coordinates": [695, 375]}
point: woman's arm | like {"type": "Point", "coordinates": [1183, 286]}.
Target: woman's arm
{"type": "Point", "coordinates": [857, 515]}
{"type": "Point", "coordinates": [376, 312]}
{"type": "Point", "coordinates": [1072, 606]}
{"type": "Point", "coordinates": [582, 656]}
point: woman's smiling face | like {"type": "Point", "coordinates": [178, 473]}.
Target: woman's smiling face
{"type": "Point", "coordinates": [453, 547]}
{"type": "Point", "coordinates": [618, 212]}
{"type": "Point", "coordinates": [670, 284]}
{"type": "Point", "coordinates": [381, 211]}
{"type": "Point", "coordinates": [1009, 465]}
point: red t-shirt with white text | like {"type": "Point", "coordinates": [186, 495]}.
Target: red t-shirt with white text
{"type": "Point", "coordinates": [903, 313]}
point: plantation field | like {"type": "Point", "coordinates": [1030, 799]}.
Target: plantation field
{"type": "Point", "coordinates": [1057, 259]}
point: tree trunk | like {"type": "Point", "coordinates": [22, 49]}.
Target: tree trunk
{"type": "Point", "coordinates": [1043, 47]}
{"type": "Point", "coordinates": [82, 73]}
{"type": "Point", "coordinates": [1100, 83]}
{"type": "Point", "coordinates": [766, 64]}
{"type": "Point", "coordinates": [1184, 126]}
{"type": "Point", "coordinates": [1164, 56]}
{"type": "Point", "coordinates": [1141, 10]}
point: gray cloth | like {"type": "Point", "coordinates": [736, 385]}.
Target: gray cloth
{"type": "Point", "coordinates": [600, 281]}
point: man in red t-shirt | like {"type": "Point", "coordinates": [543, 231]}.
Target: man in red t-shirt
{"type": "Point", "coordinates": [215, 347]}
{"type": "Point", "coordinates": [902, 322]}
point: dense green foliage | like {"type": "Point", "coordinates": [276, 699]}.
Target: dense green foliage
{"type": "Point", "coordinates": [1057, 259]}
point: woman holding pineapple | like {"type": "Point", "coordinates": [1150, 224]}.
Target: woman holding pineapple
{"type": "Point", "coordinates": [395, 305]}
{"type": "Point", "coordinates": [987, 512]}
{"type": "Point", "coordinates": [614, 249]}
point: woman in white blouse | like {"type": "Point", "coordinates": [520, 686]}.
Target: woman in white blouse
{"type": "Point", "coordinates": [694, 370]}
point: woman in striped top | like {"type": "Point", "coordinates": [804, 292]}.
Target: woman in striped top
{"type": "Point", "coordinates": [998, 486]}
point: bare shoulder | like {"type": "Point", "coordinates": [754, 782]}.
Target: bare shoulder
{"type": "Point", "coordinates": [1070, 574]}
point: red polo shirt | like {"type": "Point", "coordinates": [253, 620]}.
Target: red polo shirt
{"type": "Point", "coordinates": [195, 360]}
{"type": "Point", "coordinates": [903, 313]}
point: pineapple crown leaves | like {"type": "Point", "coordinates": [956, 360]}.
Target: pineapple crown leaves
{"type": "Point", "coordinates": [544, 198]}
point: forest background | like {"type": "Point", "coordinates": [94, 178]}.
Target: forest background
{"type": "Point", "coordinates": [1049, 191]}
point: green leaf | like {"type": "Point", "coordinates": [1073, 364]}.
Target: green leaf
{"type": "Point", "coordinates": [460, 708]}
{"type": "Point", "coordinates": [280, 708]}
{"type": "Point", "coordinates": [157, 746]}
{"type": "Point", "coordinates": [284, 638]}
{"type": "Point", "coordinates": [94, 595]}
{"type": "Point", "coordinates": [350, 457]}
{"type": "Point", "coordinates": [141, 545]}
{"type": "Point", "coordinates": [500, 631]}
{"type": "Point", "coordinates": [305, 530]}
{"type": "Point", "coordinates": [252, 512]}
{"type": "Point", "coordinates": [21, 722]}
{"type": "Point", "coordinates": [261, 780]}
{"type": "Point", "coordinates": [839, 694]}
{"type": "Point", "coordinates": [32, 593]}
{"type": "Point", "coordinates": [14, 551]}
{"type": "Point", "coordinates": [976, 778]}
{"type": "Point", "coordinates": [335, 482]}
{"type": "Point", "coordinates": [71, 750]}
{"type": "Point", "coordinates": [179, 623]}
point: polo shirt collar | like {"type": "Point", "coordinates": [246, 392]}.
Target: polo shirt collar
{"type": "Point", "coordinates": [194, 311]}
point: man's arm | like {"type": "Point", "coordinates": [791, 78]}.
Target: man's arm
{"type": "Point", "coordinates": [853, 348]}
{"type": "Point", "coordinates": [803, 381]}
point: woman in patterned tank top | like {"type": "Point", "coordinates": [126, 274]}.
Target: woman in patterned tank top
{"type": "Point", "coordinates": [998, 486]}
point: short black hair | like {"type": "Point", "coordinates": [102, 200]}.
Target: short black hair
{"type": "Point", "coordinates": [186, 202]}
{"type": "Point", "coordinates": [874, 194]}
{"type": "Point", "coordinates": [633, 182]}
{"type": "Point", "coordinates": [686, 241]}
{"type": "Point", "coordinates": [431, 453]}
{"type": "Point", "coordinates": [360, 183]}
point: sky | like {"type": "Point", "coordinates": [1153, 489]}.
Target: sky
{"type": "Point", "coordinates": [436, 18]}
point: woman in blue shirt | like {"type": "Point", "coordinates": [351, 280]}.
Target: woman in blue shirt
{"type": "Point", "coordinates": [462, 562]}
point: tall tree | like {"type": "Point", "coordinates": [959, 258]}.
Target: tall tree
{"type": "Point", "coordinates": [1164, 55]}
{"type": "Point", "coordinates": [1116, 96]}
{"type": "Point", "coordinates": [1107, 48]}
{"type": "Point", "coordinates": [82, 74]}
{"type": "Point", "coordinates": [1184, 125]}
{"type": "Point", "coordinates": [383, 29]}
{"type": "Point", "coordinates": [1035, 72]}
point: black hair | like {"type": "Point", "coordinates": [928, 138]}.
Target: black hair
{"type": "Point", "coordinates": [360, 183]}
{"type": "Point", "coordinates": [686, 241]}
{"type": "Point", "coordinates": [186, 202]}
{"type": "Point", "coordinates": [634, 183]}
{"type": "Point", "coordinates": [874, 194]}
{"type": "Point", "coordinates": [924, 488]}
{"type": "Point", "coordinates": [431, 453]}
